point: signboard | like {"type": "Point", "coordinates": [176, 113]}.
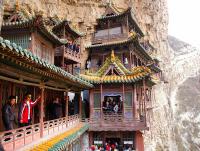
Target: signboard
{"type": "Point", "coordinates": [128, 142]}
{"type": "Point", "coordinates": [98, 142]}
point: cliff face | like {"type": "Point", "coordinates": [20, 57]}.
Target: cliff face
{"type": "Point", "coordinates": [152, 17]}
{"type": "Point", "coordinates": [185, 78]}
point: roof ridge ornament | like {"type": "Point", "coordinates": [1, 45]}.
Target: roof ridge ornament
{"type": "Point", "coordinates": [112, 56]}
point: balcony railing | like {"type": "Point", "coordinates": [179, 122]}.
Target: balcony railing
{"type": "Point", "coordinates": [69, 54]}
{"type": "Point", "coordinates": [116, 122]}
{"type": "Point", "coordinates": [15, 139]}
{"type": "Point", "coordinates": [109, 38]}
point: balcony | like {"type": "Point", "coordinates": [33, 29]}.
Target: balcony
{"type": "Point", "coordinates": [109, 38]}
{"type": "Point", "coordinates": [70, 56]}
{"type": "Point", "coordinates": [32, 135]}
{"type": "Point", "coordinates": [116, 122]}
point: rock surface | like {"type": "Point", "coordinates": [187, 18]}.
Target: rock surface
{"type": "Point", "coordinates": [185, 95]}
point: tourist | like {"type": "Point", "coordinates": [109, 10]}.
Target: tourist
{"type": "Point", "coordinates": [116, 107]}
{"type": "Point", "coordinates": [108, 147]}
{"type": "Point", "coordinates": [25, 110]}
{"type": "Point", "coordinates": [57, 109]}
{"type": "Point", "coordinates": [8, 115]}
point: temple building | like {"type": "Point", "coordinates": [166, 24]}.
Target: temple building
{"type": "Point", "coordinates": [123, 73]}
{"type": "Point", "coordinates": [27, 53]}
{"type": "Point", "coordinates": [68, 56]}
{"type": "Point", "coordinates": [43, 56]}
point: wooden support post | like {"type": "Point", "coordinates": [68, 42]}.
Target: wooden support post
{"type": "Point", "coordinates": [91, 103]}
{"type": "Point", "coordinates": [144, 85]}
{"type": "Point", "coordinates": [123, 99]}
{"type": "Point", "coordinates": [80, 105]}
{"type": "Point", "coordinates": [42, 112]}
{"type": "Point", "coordinates": [67, 104]}
{"type": "Point", "coordinates": [101, 102]}
{"type": "Point", "coordinates": [135, 101]}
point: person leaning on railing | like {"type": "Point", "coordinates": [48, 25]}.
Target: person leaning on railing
{"type": "Point", "coordinates": [25, 110]}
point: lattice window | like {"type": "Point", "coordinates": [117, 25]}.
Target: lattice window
{"type": "Point", "coordinates": [21, 40]}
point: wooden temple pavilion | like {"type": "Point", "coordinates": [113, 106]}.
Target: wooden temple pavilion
{"type": "Point", "coordinates": [27, 65]}
{"type": "Point", "coordinates": [68, 56]}
{"type": "Point", "coordinates": [123, 74]}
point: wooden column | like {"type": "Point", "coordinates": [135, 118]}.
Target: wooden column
{"type": "Point", "coordinates": [80, 105]}
{"type": "Point", "coordinates": [67, 104]}
{"type": "Point", "coordinates": [144, 92]}
{"type": "Point", "coordinates": [101, 101]}
{"type": "Point", "coordinates": [42, 112]}
{"type": "Point", "coordinates": [123, 98]}
{"type": "Point", "coordinates": [91, 103]}
{"type": "Point", "coordinates": [135, 101]}
{"type": "Point", "coordinates": [130, 61]}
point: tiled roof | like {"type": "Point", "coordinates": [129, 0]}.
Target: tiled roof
{"type": "Point", "coordinates": [61, 141]}
{"type": "Point", "coordinates": [132, 39]}
{"type": "Point", "coordinates": [66, 23]}
{"type": "Point", "coordinates": [38, 22]}
{"type": "Point", "coordinates": [127, 76]}
{"type": "Point", "coordinates": [114, 43]}
{"type": "Point", "coordinates": [12, 49]}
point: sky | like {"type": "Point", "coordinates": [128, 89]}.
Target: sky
{"type": "Point", "coordinates": [184, 20]}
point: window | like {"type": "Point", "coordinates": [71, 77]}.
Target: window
{"type": "Point", "coordinates": [128, 99]}
{"type": "Point", "coordinates": [97, 100]}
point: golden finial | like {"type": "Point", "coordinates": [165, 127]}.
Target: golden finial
{"type": "Point", "coordinates": [17, 5]}
{"type": "Point", "coordinates": [112, 56]}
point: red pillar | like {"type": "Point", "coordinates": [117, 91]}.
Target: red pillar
{"type": "Point", "coordinates": [139, 141]}
{"type": "Point", "coordinates": [66, 107]}
{"type": "Point", "coordinates": [80, 105]}
{"type": "Point", "coordinates": [42, 113]}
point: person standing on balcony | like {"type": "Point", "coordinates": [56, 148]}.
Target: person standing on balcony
{"type": "Point", "coordinates": [8, 115]}
{"type": "Point", "coordinates": [25, 110]}
{"type": "Point", "coordinates": [57, 109]}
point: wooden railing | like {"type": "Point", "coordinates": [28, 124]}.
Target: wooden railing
{"type": "Point", "coordinates": [68, 54]}
{"type": "Point", "coordinates": [109, 38]}
{"type": "Point", "coordinates": [116, 122]}
{"type": "Point", "coordinates": [15, 139]}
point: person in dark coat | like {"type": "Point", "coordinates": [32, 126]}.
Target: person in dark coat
{"type": "Point", "coordinates": [57, 109]}
{"type": "Point", "coordinates": [8, 115]}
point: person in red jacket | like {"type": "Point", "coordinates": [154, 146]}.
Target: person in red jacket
{"type": "Point", "coordinates": [25, 110]}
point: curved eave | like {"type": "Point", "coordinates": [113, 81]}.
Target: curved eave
{"type": "Point", "coordinates": [123, 79]}
{"type": "Point", "coordinates": [68, 27]}
{"type": "Point", "coordinates": [142, 50]}
{"type": "Point", "coordinates": [155, 68]}
{"type": "Point", "coordinates": [31, 23]}
{"type": "Point", "coordinates": [25, 56]}
{"type": "Point", "coordinates": [111, 43]}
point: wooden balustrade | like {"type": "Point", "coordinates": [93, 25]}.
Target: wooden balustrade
{"type": "Point", "coordinates": [18, 138]}
{"type": "Point", "coordinates": [116, 122]}
{"type": "Point", "coordinates": [109, 38]}
{"type": "Point", "coordinates": [68, 54]}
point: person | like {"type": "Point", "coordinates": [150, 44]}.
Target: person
{"type": "Point", "coordinates": [57, 109]}
{"type": "Point", "coordinates": [25, 110]}
{"type": "Point", "coordinates": [8, 115]}
{"type": "Point", "coordinates": [116, 107]}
